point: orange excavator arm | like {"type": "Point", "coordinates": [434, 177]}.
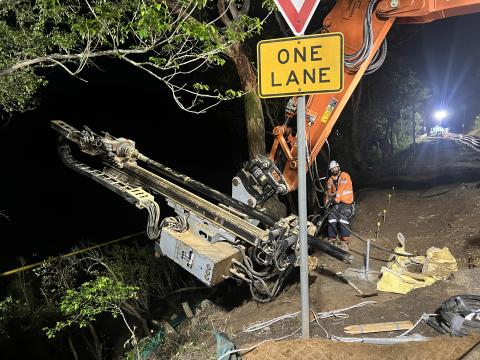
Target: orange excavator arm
{"type": "Point", "coordinates": [364, 24]}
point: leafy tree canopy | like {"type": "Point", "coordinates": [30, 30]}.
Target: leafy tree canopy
{"type": "Point", "coordinates": [168, 39]}
{"type": "Point", "coordinates": [82, 305]}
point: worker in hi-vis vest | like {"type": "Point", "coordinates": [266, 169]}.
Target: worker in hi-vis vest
{"type": "Point", "coordinates": [339, 200]}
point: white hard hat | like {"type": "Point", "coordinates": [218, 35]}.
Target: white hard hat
{"type": "Point", "coordinates": [333, 164]}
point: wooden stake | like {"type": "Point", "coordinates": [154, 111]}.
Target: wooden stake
{"type": "Point", "coordinates": [378, 327]}
{"type": "Point", "coordinates": [189, 313]}
{"type": "Point", "coordinates": [168, 328]}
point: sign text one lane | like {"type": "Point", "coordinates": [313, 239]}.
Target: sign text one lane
{"type": "Point", "coordinates": [301, 65]}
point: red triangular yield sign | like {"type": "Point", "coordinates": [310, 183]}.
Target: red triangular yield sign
{"type": "Point", "coordinates": [297, 13]}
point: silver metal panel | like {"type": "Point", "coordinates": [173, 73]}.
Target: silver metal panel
{"type": "Point", "coordinates": [208, 262]}
{"type": "Point", "coordinates": [240, 193]}
{"type": "Point", "coordinates": [203, 227]}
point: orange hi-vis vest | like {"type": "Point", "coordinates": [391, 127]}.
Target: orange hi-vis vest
{"type": "Point", "coordinates": [341, 187]}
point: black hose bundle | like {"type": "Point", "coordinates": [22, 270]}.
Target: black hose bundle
{"type": "Point", "coordinates": [451, 319]}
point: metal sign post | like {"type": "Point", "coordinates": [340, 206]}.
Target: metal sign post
{"type": "Point", "coordinates": [302, 216]}
{"type": "Point", "coordinates": [295, 67]}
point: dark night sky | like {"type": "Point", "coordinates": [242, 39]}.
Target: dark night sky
{"type": "Point", "coordinates": [52, 208]}
{"type": "Point", "coordinates": [445, 55]}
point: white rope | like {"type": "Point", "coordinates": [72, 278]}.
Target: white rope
{"type": "Point", "coordinates": [423, 317]}
{"type": "Point", "coordinates": [317, 316]}
{"type": "Point", "coordinates": [321, 315]}
{"type": "Point", "coordinates": [257, 345]}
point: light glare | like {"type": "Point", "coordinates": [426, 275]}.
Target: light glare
{"type": "Point", "coordinates": [440, 114]}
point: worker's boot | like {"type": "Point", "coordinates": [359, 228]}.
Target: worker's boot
{"type": "Point", "coordinates": [344, 243]}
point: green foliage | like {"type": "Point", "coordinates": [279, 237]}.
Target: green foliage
{"type": "Point", "coordinates": [234, 33]}
{"type": "Point", "coordinates": [178, 37]}
{"type": "Point", "coordinates": [269, 5]}
{"type": "Point", "coordinates": [5, 312]}
{"type": "Point", "coordinates": [17, 315]}
{"type": "Point", "coordinates": [155, 17]}
{"type": "Point", "coordinates": [396, 98]}
{"type": "Point", "coordinates": [232, 94]}
{"type": "Point", "coordinates": [82, 305]}
{"type": "Point", "coordinates": [200, 86]}
{"type": "Point", "coordinates": [5, 305]}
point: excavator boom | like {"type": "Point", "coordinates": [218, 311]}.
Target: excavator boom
{"type": "Point", "coordinates": [365, 25]}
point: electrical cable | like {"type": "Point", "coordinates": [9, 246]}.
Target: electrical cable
{"type": "Point", "coordinates": [309, 169]}
{"type": "Point", "coordinates": [371, 257]}
{"type": "Point", "coordinates": [177, 223]}
{"type": "Point", "coordinates": [336, 215]}
{"type": "Point", "coordinates": [378, 59]}
{"type": "Point", "coordinates": [263, 293]}
{"type": "Point", "coordinates": [452, 316]}
{"type": "Point", "coordinates": [153, 228]}
{"type": "Point", "coordinates": [329, 154]}
{"type": "Point", "coordinates": [354, 61]}
{"type": "Point", "coordinates": [253, 278]}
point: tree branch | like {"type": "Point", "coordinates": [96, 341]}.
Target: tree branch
{"type": "Point", "coordinates": [223, 13]}
{"type": "Point", "coordinates": [4, 215]}
{"type": "Point", "coordinates": [233, 10]}
{"type": "Point", "coordinates": [67, 57]}
{"type": "Point", "coordinates": [245, 7]}
{"type": "Point", "coordinates": [269, 115]}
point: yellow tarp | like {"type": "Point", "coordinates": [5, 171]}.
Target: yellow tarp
{"type": "Point", "coordinates": [438, 264]}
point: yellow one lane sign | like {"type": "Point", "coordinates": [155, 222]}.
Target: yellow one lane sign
{"type": "Point", "coordinates": [300, 65]}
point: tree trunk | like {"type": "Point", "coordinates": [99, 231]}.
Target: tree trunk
{"type": "Point", "coordinates": [96, 342]}
{"type": "Point", "coordinates": [252, 104]}
{"type": "Point", "coordinates": [72, 347]}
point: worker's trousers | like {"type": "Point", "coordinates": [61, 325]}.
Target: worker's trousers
{"type": "Point", "coordinates": [339, 220]}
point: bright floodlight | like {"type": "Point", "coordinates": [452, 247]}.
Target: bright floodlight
{"type": "Point", "coordinates": [440, 115]}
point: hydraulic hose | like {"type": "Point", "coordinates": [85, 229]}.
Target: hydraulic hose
{"type": "Point", "coordinates": [337, 216]}
{"type": "Point", "coordinates": [330, 249]}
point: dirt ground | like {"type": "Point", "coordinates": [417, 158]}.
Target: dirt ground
{"type": "Point", "coordinates": [441, 216]}
{"type": "Point", "coordinates": [316, 349]}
